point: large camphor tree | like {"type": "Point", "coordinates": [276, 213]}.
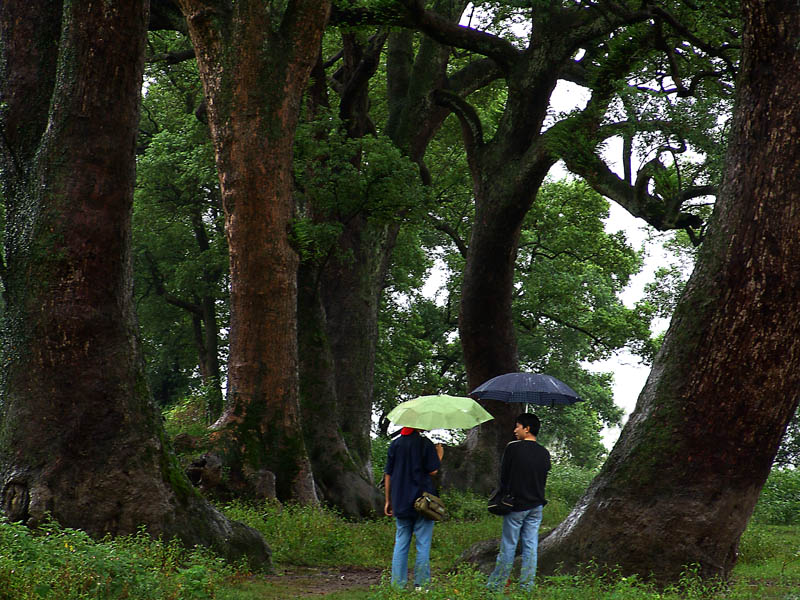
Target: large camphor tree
{"type": "Point", "coordinates": [80, 438]}
{"type": "Point", "coordinates": [685, 475]}
{"type": "Point", "coordinates": [615, 51]}
{"type": "Point", "coordinates": [254, 59]}
{"type": "Point", "coordinates": [337, 350]}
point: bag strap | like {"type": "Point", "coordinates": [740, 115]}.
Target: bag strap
{"type": "Point", "coordinates": [421, 446]}
{"type": "Point", "coordinates": [504, 489]}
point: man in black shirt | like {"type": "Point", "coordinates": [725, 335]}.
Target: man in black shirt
{"type": "Point", "coordinates": [523, 473]}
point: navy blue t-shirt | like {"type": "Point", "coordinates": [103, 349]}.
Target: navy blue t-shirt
{"type": "Point", "coordinates": [410, 460]}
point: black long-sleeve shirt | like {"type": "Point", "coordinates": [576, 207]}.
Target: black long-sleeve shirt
{"type": "Point", "coordinates": [523, 472]}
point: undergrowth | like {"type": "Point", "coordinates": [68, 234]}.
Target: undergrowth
{"type": "Point", "coordinates": [53, 562]}
{"type": "Point", "coordinates": [64, 564]}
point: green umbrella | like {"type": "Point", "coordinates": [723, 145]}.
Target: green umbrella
{"type": "Point", "coordinates": [439, 412]}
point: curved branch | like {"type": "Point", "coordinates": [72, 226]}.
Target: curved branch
{"type": "Point", "coordinates": [452, 34]}
{"type": "Point", "coordinates": [158, 283]}
{"type": "Point", "coordinates": [172, 58]}
{"type": "Point", "coordinates": [440, 225]}
{"type": "Point", "coordinates": [598, 341]}
{"type": "Point", "coordinates": [467, 116]}
{"type": "Point", "coordinates": [354, 88]}
{"type": "Point", "coordinates": [474, 76]}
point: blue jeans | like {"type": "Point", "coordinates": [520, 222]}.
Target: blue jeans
{"type": "Point", "coordinates": [422, 529]}
{"type": "Point", "coordinates": [518, 525]}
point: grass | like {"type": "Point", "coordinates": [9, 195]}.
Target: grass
{"type": "Point", "coordinates": [308, 543]}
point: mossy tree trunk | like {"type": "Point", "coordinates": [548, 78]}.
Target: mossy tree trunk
{"type": "Point", "coordinates": [80, 437]}
{"type": "Point", "coordinates": [338, 309]}
{"type": "Point", "coordinates": [254, 59]}
{"type": "Point", "coordinates": [343, 478]}
{"type": "Point", "coordinates": [683, 479]}
{"type": "Point", "coordinates": [339, 297]}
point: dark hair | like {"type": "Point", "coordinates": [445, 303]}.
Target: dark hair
{"type": "Point", "coordinates": [531, 421]}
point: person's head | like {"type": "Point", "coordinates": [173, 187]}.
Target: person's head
{"type": "Point", "coordinates": [527, 423]}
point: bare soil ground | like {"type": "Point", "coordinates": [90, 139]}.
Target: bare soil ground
{"type": "Point", "coordinates": [310, 582]}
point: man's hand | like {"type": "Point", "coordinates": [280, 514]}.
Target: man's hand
{"type": "Point", "coordinates": [387, 509]}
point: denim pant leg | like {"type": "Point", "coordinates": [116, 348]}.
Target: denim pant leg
{"type": "Point", "coordinates": [512, 523]}
{"type": "Point", "coordinates": [423, 532]}
{"type": "Point", "coordinates": [402, 542]}
{"type": "Point", "coordinates": [529, 538]}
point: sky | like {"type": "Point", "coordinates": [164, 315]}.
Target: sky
{"type": "Point", "coordinates": [629, 374]}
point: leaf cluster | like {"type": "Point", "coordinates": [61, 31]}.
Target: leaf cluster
{"type": "Point", "coordinates": [339, 178]}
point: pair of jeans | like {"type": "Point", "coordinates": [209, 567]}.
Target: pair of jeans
{"type": "Point", "coordinates": [522, 526]}
{"type": "Point", "coordinates": [422, 530]}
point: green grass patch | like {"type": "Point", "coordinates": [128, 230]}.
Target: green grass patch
{"type": "Point", "coordinates": [52, 562]}
{"type": "Point", "coordinates": [311, 544]}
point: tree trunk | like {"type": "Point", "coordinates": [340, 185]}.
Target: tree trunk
{"type": "Point", "coordinates": [682, 481]}
{"type": "Point", "coordinates": [80, 438]}
{"type": "Point", "coordinates": [352, 285]}
{"type": "Point", "coordinates": [344, 480]}
{"type": "Point", "coordinates": [486, 324]}
{"type": "Point", "coordinates": [338, 313]}
{"type": "Point", "coordinates": [254, 64]}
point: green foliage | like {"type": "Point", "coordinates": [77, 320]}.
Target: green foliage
{"type": "Point", "coordinates": [308, 535]}
{"type": "Point", "coordinates": [779, 502]}
{"type": "Point", "coordinates": [379, 449]}
{"type": "Point", "coordinates": [179, 247]}
{"type": "Point", "coordinates": [339, 178]}
{"type": "Point", "coordinates": [568, 482]}
{"type": "Point", "coordinates": [464, 505]}
{"type": "Point", "coordinates": [186, 416]}
{"type": "Point", "coordinates": [66, 564]}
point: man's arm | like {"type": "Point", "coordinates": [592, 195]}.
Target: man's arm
{"type": "Point", "coordinates": [387, 507]}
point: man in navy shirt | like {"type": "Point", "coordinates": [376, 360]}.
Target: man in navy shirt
{"type": "Point", "coordinates": [411, 461]}
{"type": "Point", "coordinates": [523, 473]}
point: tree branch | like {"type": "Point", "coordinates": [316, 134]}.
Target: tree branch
{"type": "Point", "coordinates": [172, 58]}
{"type": "Point", "coordinates": [446, 32]}
{"type": "Point", "coordinates": [158, 282]}
{"type": "Point", "coordinates": [451, 233]}
{"type": "Point", "coordinates": [467, 116]}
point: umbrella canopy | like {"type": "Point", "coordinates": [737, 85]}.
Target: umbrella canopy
{"type": "Point", "coordinates": [439, 412]}
{"type": "Point", "coordinates": [531, 388]}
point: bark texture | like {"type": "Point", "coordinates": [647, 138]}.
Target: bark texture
{"type": "Point", "coordinates": [80, 438]}
{"type": "Point", "coordinates": [343, 479]}
{"type": "Point", "coordinates": [254, 61]}
{"type": "Point", "coordinates": [338, 347]}
{"type": "Point", "coordinates": [338, 310]}
{"type": "Point", "coordinates": [682, 481]}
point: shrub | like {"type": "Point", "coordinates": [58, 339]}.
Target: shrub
{"type": "Point", "coordinates": [464, 505]}
{"type": "Point", "coordinates": [568, 482]}
{"type": "Point", "coordinates": [779, 503]}
{"type": "Point", "coordinates": [310, 535]}
{"type": "Point", "coordinates": [758, 545]}
{"type": "Point", "coordinates": [55, 562]}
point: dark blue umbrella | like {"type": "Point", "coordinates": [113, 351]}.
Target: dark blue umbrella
{"type": "Point", "coordinates": [531, 388]}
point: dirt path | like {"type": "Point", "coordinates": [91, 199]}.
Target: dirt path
{"type": "Point", "coordinates": [309, 582]}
